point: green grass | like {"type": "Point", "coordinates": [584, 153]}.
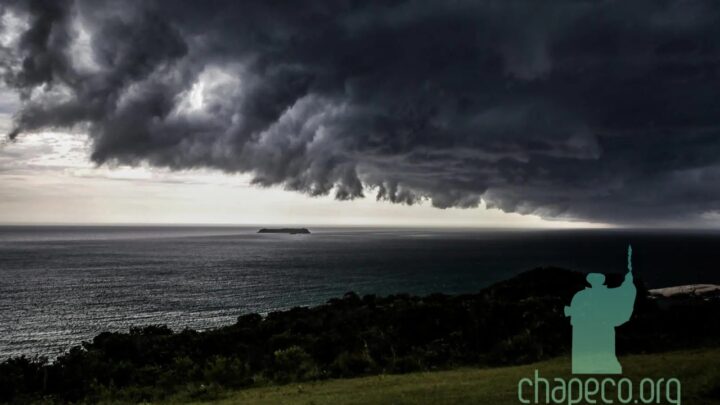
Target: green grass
{"type": "Point", "coordinates": [698, 371]}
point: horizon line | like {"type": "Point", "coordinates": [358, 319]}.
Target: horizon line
{"type": "Point", "coordinates": [359, 226]}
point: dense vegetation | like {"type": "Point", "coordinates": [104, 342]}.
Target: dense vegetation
{"type": "Point", "coordinates": [517, 321]}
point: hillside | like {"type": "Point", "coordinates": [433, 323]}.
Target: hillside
{"type": "Point", "coordinates": [698, 371]}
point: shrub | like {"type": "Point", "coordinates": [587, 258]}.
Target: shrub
{"type": "Point", "coordinates": [229, 372]}
{"type": "Point", "coordinates": [352, 364]}
{"type": "Point", "coordinates": [294, 364]}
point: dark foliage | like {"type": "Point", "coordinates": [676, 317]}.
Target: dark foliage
{"type": "Point", "coordinates": [517, 321]}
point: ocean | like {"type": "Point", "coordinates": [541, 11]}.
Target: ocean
{"type": "Point", "coordinates": [60, 285]}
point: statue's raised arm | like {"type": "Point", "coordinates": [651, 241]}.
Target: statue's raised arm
{"type": "Point", "coordinates": [624, 296]}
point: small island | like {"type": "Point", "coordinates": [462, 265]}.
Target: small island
{"type": "Point", "coordinates": [291, 231]}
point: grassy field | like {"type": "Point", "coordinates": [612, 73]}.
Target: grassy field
{"type": "Point", "coordinates": [698, 372]}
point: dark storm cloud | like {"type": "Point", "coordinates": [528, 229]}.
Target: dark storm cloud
{"type": "Point", "coordinates": [600, 110]}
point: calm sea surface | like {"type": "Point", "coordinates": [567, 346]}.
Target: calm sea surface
{"type": "Point", "coordinates": [62, 285]}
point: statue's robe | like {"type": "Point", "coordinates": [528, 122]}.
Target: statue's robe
{"type": "Point", "coordinates": [595, 312]}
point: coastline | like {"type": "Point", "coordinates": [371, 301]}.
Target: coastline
{"type": "Point", "coordinates": [516, 321]}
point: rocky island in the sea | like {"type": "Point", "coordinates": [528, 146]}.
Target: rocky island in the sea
{"type": "Point", "coordinates": [291, 231]}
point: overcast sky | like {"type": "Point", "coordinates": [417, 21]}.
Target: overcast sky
{"type": "Point", "coordinates": [563, 113]}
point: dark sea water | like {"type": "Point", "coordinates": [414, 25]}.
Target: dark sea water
{"type": "Point", "coordinates": [62, 285]}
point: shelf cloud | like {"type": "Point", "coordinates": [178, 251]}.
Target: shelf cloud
{"type": "Point", "coordinates": [595, 110]}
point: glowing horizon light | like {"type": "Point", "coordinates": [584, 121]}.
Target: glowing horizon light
{"type": "Point", "coordinates": [47, 178]}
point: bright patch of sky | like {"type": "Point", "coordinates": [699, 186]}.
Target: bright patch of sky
{"type": "Point", "coordinates": [46, 177]}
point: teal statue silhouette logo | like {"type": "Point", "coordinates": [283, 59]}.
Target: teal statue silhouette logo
{"type": "Point", "coordinates": [594, 313]}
